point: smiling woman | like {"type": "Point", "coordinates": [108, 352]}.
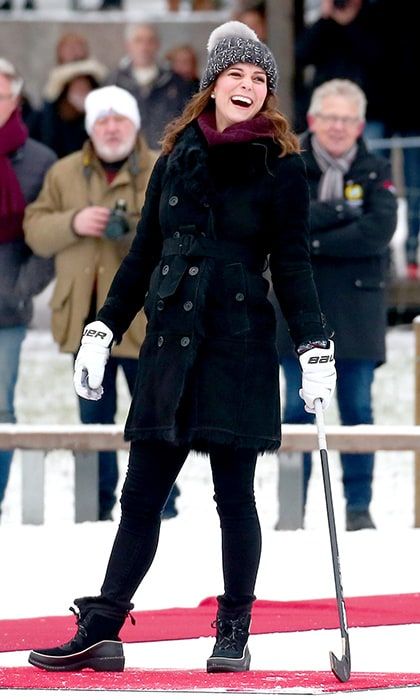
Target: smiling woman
{"type": "Point", "coordinates": [228, 191]}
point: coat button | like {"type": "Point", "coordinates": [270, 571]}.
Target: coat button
{"type": "Point", "coordinates": [173, 201]}
{"type": "Point", "coordinates": [160, 341]}
{"type": "Point", "coordinates": [239, 296]}
{"type": "Point", "coordinates": [165, 269]}
{"type": "Point", "coordinates": [188, 305]}
{"type": "Point", "coordinates": [160, 304]}
{"type": "Point", "coordinates": [177, 234]}
{"type": "Point", "coordinates": [193, 271]}
{"type": "Point", "coordinates": [185, 341]}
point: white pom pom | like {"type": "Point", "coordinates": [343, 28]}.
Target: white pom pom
{"type": "Point", "coordinates": [227, 29]}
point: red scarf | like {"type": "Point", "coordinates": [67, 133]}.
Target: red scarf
{"type": "Point", "coordinates": [240, 132]}
{"type": "Point", "coordinates": [13, 135]}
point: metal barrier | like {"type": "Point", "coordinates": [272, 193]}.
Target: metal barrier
{"type": "Point", "coordinates": [86, 440]}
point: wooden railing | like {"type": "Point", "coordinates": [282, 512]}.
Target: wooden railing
{"type": "Point", "coordinates": [86, 440]}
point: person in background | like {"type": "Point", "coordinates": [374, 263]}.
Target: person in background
{"type": "Point", "coordinates": [71, 46]}
{"type": "Point", "coordinates": [160, 93]}
{"type": "Point", "coordinates": [23, 165]}
{"type": "Point", "coordinates": [346, 42]}
{"type": "Point", "coordinates": [253, 13]}
{"type": "Point", "coordinates": [228, 191]}
{"type": "Point", "coordinates": [182, 60]}
{"type": "Point", "coordinates": [76, 219]}
{"type": "Point", "coordinates": [352, 218]}
{"type": "Point", "coordinates": [61, 120]}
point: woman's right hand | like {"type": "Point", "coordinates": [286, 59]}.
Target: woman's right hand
{"type": "Point", "coordinates": [90, 363]}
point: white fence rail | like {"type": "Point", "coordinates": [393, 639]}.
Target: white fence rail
{"type": "Point", "coordinates": [86, 440]}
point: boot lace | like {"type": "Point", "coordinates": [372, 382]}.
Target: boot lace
{"type": "Point", "coordinates": [230, 633]}
{"type": "Point", "coordinates": [80, 626]}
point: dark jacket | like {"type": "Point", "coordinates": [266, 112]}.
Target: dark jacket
{"type": "Point", "coordinates": [22, 274]}
{"type": "Point", "coordinates": [208, 369]}
{"type": "Point", "coordinates": [356, 51]}
{"type": "Point", "coordinates": [349, 243]}
{"type": "Point", "coordinates": [158, 103]}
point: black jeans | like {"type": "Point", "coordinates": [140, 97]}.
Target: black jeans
{"type": "Point", "coordinates": [152, 470]}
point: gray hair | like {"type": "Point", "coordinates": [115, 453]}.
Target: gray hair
{"type": "Point", "coordinates": [9, 71]}
{"type": "Point", "coordinates": [338, 88]}
{"type": "Point", "coordinates": [131, 30]}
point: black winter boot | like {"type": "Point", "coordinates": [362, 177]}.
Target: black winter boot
{"type": "Point", "coordinates": [96, 643]}
{"type": "Point", "coordinates": [231, 653]}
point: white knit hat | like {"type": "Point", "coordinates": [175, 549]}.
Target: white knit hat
{"type": "Point", "coordinates": [110, 100]}
{"type": "Point", "coordinates": [235, 42]}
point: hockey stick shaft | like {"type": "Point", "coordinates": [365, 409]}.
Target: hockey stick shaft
{"type": "Point", "coordinates": [341, 668]}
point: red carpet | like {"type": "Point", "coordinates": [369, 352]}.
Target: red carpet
{"type": "Point", "coordinates": [315, 682]}
{"type": "Point", "coordinates": [190, 623]}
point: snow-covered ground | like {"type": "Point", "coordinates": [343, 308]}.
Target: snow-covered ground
{"type": "Point", "coordinates": [45, 567]}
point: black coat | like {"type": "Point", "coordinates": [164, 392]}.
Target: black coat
{"type": "Point", "coordinates": [349, 243]}
{"type": "Point", "coordinates": [208, 369]}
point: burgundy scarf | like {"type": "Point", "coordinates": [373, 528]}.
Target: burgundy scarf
{"type": "Point", "coordinates": [240, 132]}
{"type": "Point", "coordinates": [13, 135]}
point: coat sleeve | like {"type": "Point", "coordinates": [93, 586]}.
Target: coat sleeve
{"type": "Point", "coordinates": [48, 229]}
{"type": "Point", "coordinates": [290, 262]}
{"type": "Point", "coordinates": [366, 235]}
{"type": "Point", "coordinates": [130, 284]}
{"type": "Point", "coordinates": [34, 276]}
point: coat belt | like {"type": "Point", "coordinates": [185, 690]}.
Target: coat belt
{"type": "Point", "coordinates": [189, 246]}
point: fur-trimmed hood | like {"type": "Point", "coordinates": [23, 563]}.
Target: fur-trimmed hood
{"type": "Point", "coordinates": [62, 75]}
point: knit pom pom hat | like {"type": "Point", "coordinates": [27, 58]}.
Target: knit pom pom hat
{"type": "Point", "coordinates": [107, 100]}
{"type": "Point", "coordinates": [235, 42]}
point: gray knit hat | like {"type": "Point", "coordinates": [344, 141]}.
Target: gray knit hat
{"type": "Point", "coordinates": [235, 42]}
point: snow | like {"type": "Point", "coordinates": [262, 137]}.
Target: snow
{"type": "Point", "coordinates": [45, 567]}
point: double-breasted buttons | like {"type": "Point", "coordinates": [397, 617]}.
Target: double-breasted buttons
{"type": "Point", "coordinates": [177, 234]}
{"type": "Point", "coordinates": [185, 341]}
{"type": "Point", "coordinates": [160, 341]}
{"type": "Point", "coordinates": [165, 269]}
{"type": "Point", "coordinates": [160, 305]}
{"type": "Point", "coordinates": [239, 296]}
{"type": "Point", "coordinates": [193, 270]}
{"type": "Point", "coordinates": [173, 201]}
{"type": "Point", "coordinates": [188, 305]}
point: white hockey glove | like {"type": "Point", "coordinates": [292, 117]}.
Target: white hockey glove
{"type": "Point", "coordinates": [318, 376]}
{"type": "Point", "coordinates": [89, 366]}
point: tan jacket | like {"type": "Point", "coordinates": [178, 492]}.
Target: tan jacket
{"type": "Point", "coordinates": [83, 263]}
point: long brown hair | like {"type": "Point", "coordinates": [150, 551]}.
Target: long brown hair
{"type": "Point", "coordinates": [201, 102]}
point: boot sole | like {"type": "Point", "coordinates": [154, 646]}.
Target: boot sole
{"type": "Point", "coordinates": [103, 656]}
{"type": "Point", "coordinates": [221, 664]}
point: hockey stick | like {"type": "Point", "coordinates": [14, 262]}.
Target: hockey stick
{"type": "Point", "coordinates": [339, 667]}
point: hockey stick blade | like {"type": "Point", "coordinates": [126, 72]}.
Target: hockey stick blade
{"type": "Point", "coordinates": [341, 667]}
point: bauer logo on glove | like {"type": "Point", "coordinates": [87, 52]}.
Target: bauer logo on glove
{"type": "Point", "coordinates": [90, 363]}
{"type": "Point", "coordinates": [318, 374]}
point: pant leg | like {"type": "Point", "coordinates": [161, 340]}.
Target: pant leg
{"type": "Point", "coordinates": [104, 412]}
{"type": "Point", "coordinates": [152, 470]}
{"type": "Point", "coordinates": [233, 473]}
{"type": "Point", "coordinates": [129, 367]}
{"type": "Point", "coordinates": [354, 397]}
{"type": "Point", "coordinates": [11, 340]}
{"type": "Point", "coordinates": [294, 410]}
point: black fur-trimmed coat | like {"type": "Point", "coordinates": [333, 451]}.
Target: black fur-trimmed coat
{"type": "Point", "coordinates": [208, 369]}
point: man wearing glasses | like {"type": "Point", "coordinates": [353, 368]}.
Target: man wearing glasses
{"type": "Point", "coordinates": [352, 218]}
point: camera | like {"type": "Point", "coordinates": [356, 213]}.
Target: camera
{"type": "Point", "coordinates": [340, 4]}
{"type": "Point", "coordinates": [118, 224]}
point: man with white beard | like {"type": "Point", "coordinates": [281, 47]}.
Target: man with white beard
{"type": "Point", "coordinates": [85, 216]}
